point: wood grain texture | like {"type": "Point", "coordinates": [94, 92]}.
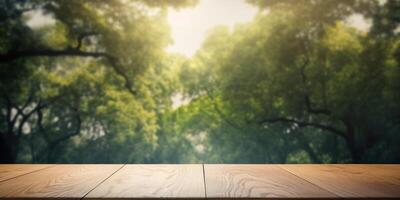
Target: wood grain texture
{"type": "Point", "coordinates": [352, 181]}
{"type": "Point", "coordinates": [8, 171]}
{"type": "Point", "coordinates": [187, 181]}
{"type": "Point", "coordinates": [258, 181]}
{"type": "Point", "coordinates": [153, 181]}
{"type": "Point", "coordinates": [60, 181]}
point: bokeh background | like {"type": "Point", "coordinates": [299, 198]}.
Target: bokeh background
{"type": "Point", "coordinates": [208, 81]}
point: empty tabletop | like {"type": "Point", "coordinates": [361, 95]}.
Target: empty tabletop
{"type": "Point", "coordinates": [199, 181]}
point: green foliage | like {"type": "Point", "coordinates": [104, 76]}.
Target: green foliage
{"type": "Point", "coordinates": [298, 84]}
{"type": "Point", "coordinates": [300, 75]}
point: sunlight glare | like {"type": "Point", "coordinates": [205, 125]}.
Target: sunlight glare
{"type": "Point", "coordinates": [189, 26]}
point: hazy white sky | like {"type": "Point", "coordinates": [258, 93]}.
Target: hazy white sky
{"type": "Point", "coordinates": [189, 26]}
{"type": "Point", "coordinates": [359, 22]}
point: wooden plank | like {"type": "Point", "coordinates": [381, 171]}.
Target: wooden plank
{"type": "Point", "coordinates": [352, 181]}
{"type": "Point", "coordinates": [8, 171]}
{"type": "Point", "coordinates": [258, 181]}
{"type": "Point", "coordinates": [153, 181]}
{"type": "Point", "coordinates": [60, 181]}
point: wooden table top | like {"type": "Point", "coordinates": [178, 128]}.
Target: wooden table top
{"type": "Point", "coordinates": [197, 181]}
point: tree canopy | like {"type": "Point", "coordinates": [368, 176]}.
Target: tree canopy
{"type": "Point", "coordinates": [297, 84]}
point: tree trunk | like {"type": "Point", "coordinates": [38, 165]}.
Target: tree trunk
{"type": "Point", "coordinates": [8, 148]}
{"type": "Point", "coordinates": [335, 149]}
{"type": "Point", "coordinates": [356, 154]}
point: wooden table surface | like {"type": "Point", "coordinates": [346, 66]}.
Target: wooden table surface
{"type": "Point", "coordinates": [197, 181]}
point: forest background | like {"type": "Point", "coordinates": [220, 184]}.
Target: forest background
{"type": "Point", "coordinates": [296, 84]}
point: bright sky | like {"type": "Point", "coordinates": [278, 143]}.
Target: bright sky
{"type": "Point", "coordinates": [189, 26]}
{"type": "Point", "coordinates": [359, 22]}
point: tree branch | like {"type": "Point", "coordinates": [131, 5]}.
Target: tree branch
{"type": "Point", "coordinates": [128, 84]}
{"type": "Point", "coordinates": [68, 135]}
{"type": "Point", "coordinates": [306, 124]}
{"type": "Point", "coordinates": [10, 122]}
{"type": "Point", "coordinates": [20, 111]}
{"type": "Point", "coordinates": [42, 131]}
{"type": "Point", "coordinates": [11, 56]}
{"type": "Point", "coordinates": [312, 110]}
{"type": "Point", "coordinates": [221, 114]}
{"type": "Point", "coordinates": [25, 117]}
{"type": "Point", "coordinates": [81, 37]}
{"type": "Point", "coordinates": [52, 144]}
{"type": "Point", "coordinates": [307, 99]}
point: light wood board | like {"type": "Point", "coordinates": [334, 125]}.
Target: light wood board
{"type": "Point", "coordinates": [8, 171]}
{"type": "Point", "coordinates": [258, 181]}
{"type": "Point", "coordinates": [60, 181]}
{"type": "Point", "coordinates": [153, 181]}
{"type": "Point", "coordinates": [352, 181]}
{"type": "Point", "coordinates": [200, 181]}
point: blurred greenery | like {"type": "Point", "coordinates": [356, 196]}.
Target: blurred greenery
{"type": "Point", "coordinates": [298, 84]}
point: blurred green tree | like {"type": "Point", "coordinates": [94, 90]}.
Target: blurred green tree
{"type": "Point", "coordinates": [53, 77]}
{"type": "Point", "coordinates": [299, 67]}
